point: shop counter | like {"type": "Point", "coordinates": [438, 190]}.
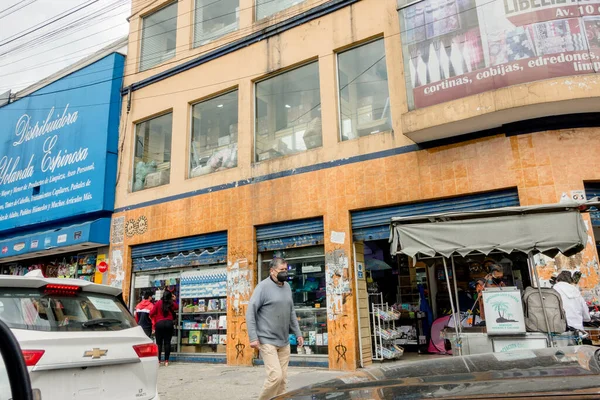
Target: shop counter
{"type": "Point", "coordinates": [476, 341]}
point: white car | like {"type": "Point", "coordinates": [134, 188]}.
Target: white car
{"type": "Point", "coordinates": [78, 339]}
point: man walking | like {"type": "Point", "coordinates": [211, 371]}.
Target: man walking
{"type": "Point", "coordinates": [270, 319]}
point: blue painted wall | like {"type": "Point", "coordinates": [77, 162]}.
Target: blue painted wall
{"type": "Point", "coordinates": [58, 149]}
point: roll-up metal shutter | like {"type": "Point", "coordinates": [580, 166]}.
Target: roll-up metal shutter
{"type": "Point", "coordinates": [593, 190]}
{"type": "Point", "coordinates": [285, 235]}
{"type": "Point", "coordinates": [190, 251]}
{"type": "Point", "coordinates": [375, 224]}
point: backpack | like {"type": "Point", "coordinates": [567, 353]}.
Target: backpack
{"type": "Point", "coordinates": [534, 315]}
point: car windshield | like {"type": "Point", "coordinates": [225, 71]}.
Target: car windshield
{"type": "Point", "coordinates": [34, 309]}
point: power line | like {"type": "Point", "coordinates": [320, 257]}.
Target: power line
{"type": "Point", "coordinates": [20, 8]}
{"type": "Point", "coordinates": [24, 33]}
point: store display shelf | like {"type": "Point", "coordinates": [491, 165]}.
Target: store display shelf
{"type": "Point", "coordinates": [203, 329]}
{"type": "Point", "coordinates": [203, 312]}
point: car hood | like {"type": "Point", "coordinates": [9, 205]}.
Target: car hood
{"type": "Point", "coordinates": [572, 371]}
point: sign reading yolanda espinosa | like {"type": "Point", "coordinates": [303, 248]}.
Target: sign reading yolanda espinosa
{"type": "Point", "coordinates": [57, 157]}
{"type": "Point", "coordinates": [457, 48]}
{"type": "Point", "coordinates": [503, 311]}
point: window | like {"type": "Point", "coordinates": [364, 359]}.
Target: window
{"type": "Point", "coordinates": [34, 309]}
{"type": "Point", "coordinates": [288, 113]}
{"type": "Point", "coordinates": [152, 153]}
{"type": "Point", "coordinates": [266, 8]}
{"type": "Point", "coordinates": [159, 31]}
{"type": "Point", "coordinates": [306, 277]}
{"type": "Point", "coordinates": [215, 19]}
{"type": "Point", "coordinates": [364, 96]}
{"type": "Point", "coordinates": [214, 135]}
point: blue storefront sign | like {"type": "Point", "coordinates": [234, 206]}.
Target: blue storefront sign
{"type": "Point", "coordinates": [58, 158]}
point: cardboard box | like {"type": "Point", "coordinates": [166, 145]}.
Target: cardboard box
{"type": "Point", "coordinates": [189, 349]}
{"type": "Point", "coordinates": [158, 178]}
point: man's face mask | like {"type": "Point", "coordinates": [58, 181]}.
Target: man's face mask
{"type": "Point", "coordinates": [282, 276]}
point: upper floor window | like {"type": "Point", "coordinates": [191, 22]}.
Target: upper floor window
{"type": "Point", "coordinates": [288, 113]}
{"type": "Point", "coordinates": [214, 135]}
{"type": "Point", "coordinates": [152, 162]}
{"type": "Point", "coordinates": [266, 8]}
{"type": "Point", "coordinates": [363, 91]}
{"type": "Point", "coordinates": [214, 19]}
{"type": "Point", "coordinates": [159, 32]}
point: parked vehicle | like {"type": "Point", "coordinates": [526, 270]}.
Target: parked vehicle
{"type": "Point", "coordinates": [550, 373]}
{"type": "Point", "coordinates": [78, 339]}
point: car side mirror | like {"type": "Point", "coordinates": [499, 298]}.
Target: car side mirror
{"type": "Point", "coordinates": [14, 377]}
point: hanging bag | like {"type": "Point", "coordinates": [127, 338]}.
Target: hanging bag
{"type": "Point", "coordinates": [534, 314]}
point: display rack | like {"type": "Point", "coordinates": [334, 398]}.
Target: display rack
{"type": "Point", "coordinates": [385, 334]}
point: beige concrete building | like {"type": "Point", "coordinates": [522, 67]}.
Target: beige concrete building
{"type": "Point", "coordinates": [253, 128]}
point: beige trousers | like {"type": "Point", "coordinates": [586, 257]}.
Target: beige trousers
{"type": "Point", "coordinates": [276, 361]}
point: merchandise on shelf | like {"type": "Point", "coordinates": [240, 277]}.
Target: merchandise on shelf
{"type": "Point", "coordinates": [206, 283]}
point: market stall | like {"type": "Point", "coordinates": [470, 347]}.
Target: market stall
{"type": "Point", "coordinates": [546, 229]}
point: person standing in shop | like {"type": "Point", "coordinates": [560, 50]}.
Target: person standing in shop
{"type": "Point", "coordinates": [142, 313]}
{"type": "Point", "coordinates": [162, 315]}
{"type": "Point", "coordinates": [575, 307]}
{"type": "Point", "coordinates": [270, 319]}
{"type": "Point", "coordinates": [491, 280]}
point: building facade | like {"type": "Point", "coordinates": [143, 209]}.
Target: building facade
{"type": "Point", "coordinates": [299, 128]}
{"type": "Point", "coordinates": [58, 169]}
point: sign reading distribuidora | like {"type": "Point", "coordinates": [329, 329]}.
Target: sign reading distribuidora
{"type": "Point", "coordinates": [58, 148]}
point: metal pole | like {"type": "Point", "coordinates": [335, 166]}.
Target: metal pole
{"type": "Point", "coordinates": [539, 287]}
{"type": "Point", "coordinates": [456, 292]}
{"type": "Point", "coordinates": [360, 352]}
{"type": "Point", "coordinates": [456, 328]}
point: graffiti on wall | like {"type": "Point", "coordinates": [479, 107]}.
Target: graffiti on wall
{"type": "Point", "coordinates": [117, 273]}
{"type": "Point", "coordinates": [117, 230]}
{"type": "Point", "coordinates": [239, 285]}
{"type": "Point", "coordinates": [136, 227]}
{"type": "Point", "coordinates": [339, 287]}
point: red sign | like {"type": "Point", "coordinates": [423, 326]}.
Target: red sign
{"type": "Point", "coordinates": [102, 267]}
{"type": "Point", "coordinates": [4, 250]}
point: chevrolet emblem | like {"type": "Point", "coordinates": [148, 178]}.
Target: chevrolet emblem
{"type": "Point", "coordinates": [95, 353]}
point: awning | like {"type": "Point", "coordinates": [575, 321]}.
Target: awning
{"type": "Point", "coordinates": [77, 237]}
{"type": "Point", "coordinates": [547, 229]}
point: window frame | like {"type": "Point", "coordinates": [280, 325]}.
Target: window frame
{"type": "Point", "coordinates": [255, 108]}
{"type": "Point", "coordinates": [143, 19]}
{"type": "Point", "coordinates": [191, 126]}
{"type": "Point", "coordinates": [134, 148]}
{"type": "Point", "coordinates": [196, 45]}
{"type": "Point", "coordinates": [351, 47]}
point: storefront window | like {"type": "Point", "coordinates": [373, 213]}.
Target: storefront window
{"type": "Point", "coordinates": [159, 34]}
{"type": "Point", "coordinates": [215, 19]}
{"type": "Point", "coordinates": [363, 91]}
{"type": "Point", "coordinates": [202, 297]}
{"type": "Point", "coordinates": [288, 113]}
{"type": "Point", "coordinates": [214, 135]}
{"type": "Point", "coordinates": [69, 265]}
{"type": "Point", "coordinates": [307, 280]}
{"type": "Point", "coordinates": [152, 164]}
{"type": "Point", "coordinates": [266, 8]}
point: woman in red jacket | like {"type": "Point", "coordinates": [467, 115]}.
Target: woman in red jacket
{"type": "Point", "coordinates": [162, 315]}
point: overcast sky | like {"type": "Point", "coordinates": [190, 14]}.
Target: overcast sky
{"type": "Point", "coordinates": [33, 57]}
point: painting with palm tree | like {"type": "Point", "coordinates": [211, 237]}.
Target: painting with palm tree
{"type": "Point", "coordinates": [502, 308]}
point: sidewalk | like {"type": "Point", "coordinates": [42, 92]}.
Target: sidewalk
{"type": "Point", "coordinates": [181, 381]}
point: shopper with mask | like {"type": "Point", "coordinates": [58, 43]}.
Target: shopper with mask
{"type": "Point", "coordinates": [575, 307]}
{"type": "Point", "coordinates": [491, 280]}
{"type": "Point", "coordinates": [270, 319]}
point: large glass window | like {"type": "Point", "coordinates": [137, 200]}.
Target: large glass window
{"type": "Point", "coordinates": [306, 270]}
{"type": "Point", "coordinates": [266, 8]}
{"type": "Point", "coordinates": [159, 32]}
{"type": "Point", "coordinates": [214, 135]}
{"type": "Point", "coordinates": [288, 113]}
{"type": "Point", "coordinates": [364, 96]}
{"type": "Point", "coordinates": [152, 163]}
{"type": "Point", "coordinates": [214, 19]}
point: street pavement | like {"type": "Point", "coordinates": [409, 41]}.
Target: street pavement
{"type": "Point", "coordinates": [185, 381]}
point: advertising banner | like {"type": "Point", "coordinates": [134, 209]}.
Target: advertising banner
{"type": "Point", "coordinates": [457, 48]}
{"type": "Point", "coordinates": [58, 148]}
{"type": "Point", "coordinates": [503, 311]}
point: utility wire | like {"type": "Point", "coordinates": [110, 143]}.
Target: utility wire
{"type": "Point", "coordinates": [20, 8]}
